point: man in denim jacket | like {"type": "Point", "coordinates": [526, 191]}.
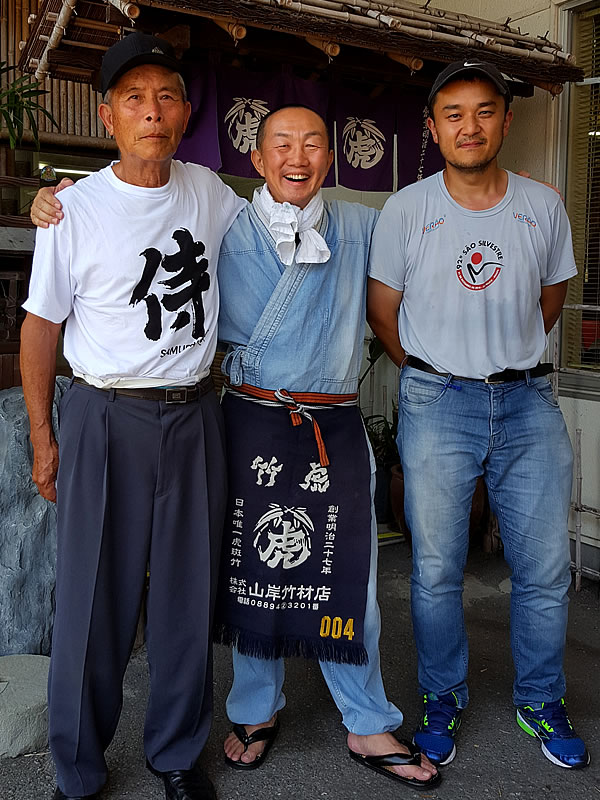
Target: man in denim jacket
{"type": "Point", "coordinates": [292, 277]}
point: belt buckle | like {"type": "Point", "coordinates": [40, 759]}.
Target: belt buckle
{"type": "Point", "coordinates": [176, 395]}
{"type": "Point", "coordinates": [490, 382]}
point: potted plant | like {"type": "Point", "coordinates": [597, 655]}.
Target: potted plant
{"type": "Point", "coordinates": [19, 101]}
{"type": "Point", "coordinates": [382, 437]}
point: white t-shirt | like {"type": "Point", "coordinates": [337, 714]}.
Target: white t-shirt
{"type": "Point", "coordinates": [471, 280]}
{"type": "Point", "coordinates": [133, 271]}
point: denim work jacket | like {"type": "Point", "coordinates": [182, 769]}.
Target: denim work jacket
{"type": "Point", "coordinates": [301, 327]}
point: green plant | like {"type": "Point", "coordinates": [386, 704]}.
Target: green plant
{"type": "Point", "coordinates": [19, 101]}
{"type": "Point", "coordinates": [374, 354]}
{"type": "Point", "coordinates": [381, 433]}
{"type": "Point", "coordinates": [383, 440]}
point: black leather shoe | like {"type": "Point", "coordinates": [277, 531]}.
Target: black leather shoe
{"type": "Point", "coordinates": [58, 795]}
{"type": "Point", "coordinates": [186, 784]}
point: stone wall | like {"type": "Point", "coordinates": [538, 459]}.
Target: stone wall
{"type": "Point", "coordinates": [27, 535]}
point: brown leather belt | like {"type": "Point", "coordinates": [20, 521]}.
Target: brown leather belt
{"type": "Point", "coordinates": [506, 376]}
{"type": "Point", "coordinates": [165, 394]}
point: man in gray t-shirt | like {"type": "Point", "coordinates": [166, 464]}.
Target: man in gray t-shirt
{"type": "Point", "coordinates": [468, 273]}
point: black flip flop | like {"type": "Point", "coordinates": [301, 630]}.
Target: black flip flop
{"type": "Point", "coordinates": [267, 735]}
{"type": "Point", "coordinates": [382, 764]}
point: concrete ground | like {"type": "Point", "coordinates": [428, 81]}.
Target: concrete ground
{"type": "Point", "coordinates": [495, 760]}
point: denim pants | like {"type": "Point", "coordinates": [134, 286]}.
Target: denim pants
{"type": "Point", "coordinates": [358, 692]}
{"type": "Point", "coordinates": [450, 432]}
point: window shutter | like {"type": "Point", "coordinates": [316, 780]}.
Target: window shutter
{"type": "Point", "coordinates": [581, 327]}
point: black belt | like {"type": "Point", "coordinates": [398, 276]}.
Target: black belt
{"type": "Point", "coordinates": [506, 376]}
{"type": "Point", "coordinates": [171, 394]}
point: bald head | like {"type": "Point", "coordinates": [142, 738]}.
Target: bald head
{"type": "Point", "coordinates": [293, 154]}
{"type": "Point", "coordinates": [266, 120]}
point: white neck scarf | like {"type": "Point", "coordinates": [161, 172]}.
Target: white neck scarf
{"type": "Point", "coordinates": [284, 221]}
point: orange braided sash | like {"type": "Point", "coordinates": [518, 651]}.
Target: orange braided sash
{"type": "Point", "coordinates": [296, 403]}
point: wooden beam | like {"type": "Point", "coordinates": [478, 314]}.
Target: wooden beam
{"type": "Point", "coordinates": [68, 140]}
{"type": "Point", "coordinates": [331, 49]}
{"type": "Point", "coordinates": [236, 30]}
{"type": "Point", "coordinates": [412, 62]}
{"type": "Point", "coordinates": [74, 60]}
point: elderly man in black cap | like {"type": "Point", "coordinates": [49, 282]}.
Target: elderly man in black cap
{"type": "Point", "coordinates": [469, 271]}
{"type": "Point", "coordinates": [141, 474]}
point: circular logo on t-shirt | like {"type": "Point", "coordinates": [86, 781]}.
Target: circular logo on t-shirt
{"type": "Point", "coordinates": [479, 264]}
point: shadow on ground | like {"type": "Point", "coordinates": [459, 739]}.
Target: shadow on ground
{"type": "Point", "coordinates": [496, 760]}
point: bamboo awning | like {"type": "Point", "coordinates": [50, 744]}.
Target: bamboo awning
{"type": "Point", "coordinates": [69, 37]}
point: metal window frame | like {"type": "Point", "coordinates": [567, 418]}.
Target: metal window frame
{"type": "Point", "coordinates": [569, 382]}
{"type": "Point", "coordinates": [576, 383]}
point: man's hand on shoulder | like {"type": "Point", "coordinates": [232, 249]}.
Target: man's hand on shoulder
{"type": "Point", "coordinates": [46, 209]}
{"type": "Point", "coordinates": [524, 174]}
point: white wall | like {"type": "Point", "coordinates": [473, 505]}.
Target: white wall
{"type": "Point", "coordinates": [584, 414]}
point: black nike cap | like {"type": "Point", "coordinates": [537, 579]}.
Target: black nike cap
{"type": "Point", "coordinates": [470, 65]}
{"type": "Point", "coordinates": [132, 51]}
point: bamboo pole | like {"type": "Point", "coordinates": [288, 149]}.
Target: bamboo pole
{"type": "Point", "coordinates": [449, 18]}
{"type": "Point", "coordinates": [94, 24]}
{"type": "Point", "coordinates": [578, 498]}
{"type": "Point", "coordinates": [93, 114]}
{"type": "Point", "coordinates": [424, 24]}
{"type": "Point", "coordinates": [64, 122]}
{"type": "Point", "coordinates": [426, 21]}
{"type": "Point", "coordinates": [56, 103]}
{"type": "Point", "coordinates": [67, 140]}
{"type": "Point", "coordinates": [412, 62]}
{"type": "Point", "coordinates": [463, 41]}
{"type": "Point", "coordinates": [77, 109]}
{"type": "Point", "coordinates": [3, 37]}
{"type": "Point", "coordinates": [331, 49]}
{"type": "Point", "coordinates": [70, 107]}
{"type": "Point", "coordinates": [128, 9]}
{"type": "Point", "coordinates": [236, 30]}
{"type": "Point", "coordinates": [486, 41]}
{"type": "Point", "coordinates": [340, 16]}
{"type": "Point", "coordinates": [87, 45]}
{"type": "Point", "coordinates": [9, 53]}
{"type": "Point", "coordinates": [18, 19]}
{"type": "Point", "coordinates": [27, 9]}
{"type": "Point", "coordinates": [85, 110]}
{"type": "Point", "coordinates": [554, 88]}
{"type": "Point", "coordinates": [45, 101]}
{"type": "Point", "coordinates": [333, 5]}
{"type": "Point", "coordinates": [58, 30]}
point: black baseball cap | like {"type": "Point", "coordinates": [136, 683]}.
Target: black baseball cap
{"type": "Point", "coordinates": [457, 68]}
{"type": "Point", "coordinates": [133, 50]}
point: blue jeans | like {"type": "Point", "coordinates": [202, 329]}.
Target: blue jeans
{"type": "Point", "coordinates": [451, 432]}
{"type": "Point", "coordinates": [358, 692]}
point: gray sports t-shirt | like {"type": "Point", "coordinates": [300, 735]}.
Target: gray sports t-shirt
{"type": "Point", "coordinates": [471, 280]}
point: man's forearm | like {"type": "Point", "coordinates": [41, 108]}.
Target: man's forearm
{"type": "Point", "coordinates": [383, 303]}
{"type": "Point", "coordinates": [388, 336]}
{"type": "Point", "coordinates": [551, 302]}
{"type": "Point", "coordinates": [39, 338]}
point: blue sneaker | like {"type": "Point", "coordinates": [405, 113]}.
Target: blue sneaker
{"type": "Point", "coordinates": [552, 726]}
{"type": "Point", "coordinates": [441, 721]}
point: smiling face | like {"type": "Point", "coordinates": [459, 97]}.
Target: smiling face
{"type": "Point", "coordinates": [469, 123]}
{"type": "Point", "coordinates": [294, 155]}
{"type": "Point", "coordinates": [147, 114]}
